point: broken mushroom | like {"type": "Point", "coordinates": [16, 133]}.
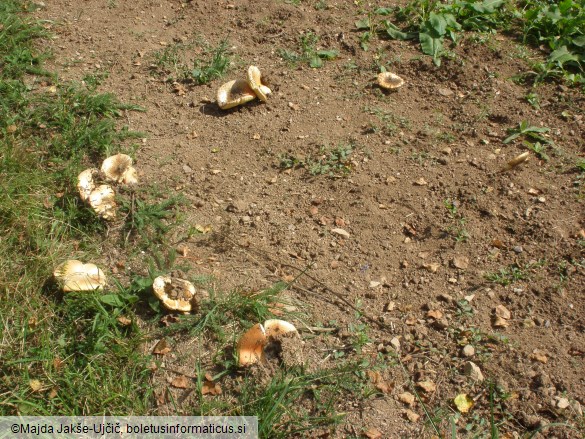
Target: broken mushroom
{"type": "Point", "coordinates": [254, 341]}
{"type": "Point", "coordinates": [85, 183]}
{"type": "Point", "coordinates": [102, 200]}
{"type": "Point", "coordinates": [389, 81]}
{"type": "Point", "coordinates": [175, 294]}
{"type": "Point", "coordinates": [234, 93]}
{"type": "Point", "coordinates": [119, 168]}
{"type": "Point", "coordinates": [74, 275]}
{"type": "Point", "coordinates": [255, 83]}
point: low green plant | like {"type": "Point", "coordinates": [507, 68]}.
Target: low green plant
{"type": "Point", "coordinates": [308, 52]}
{"type": "Point", "coordinates": [524, 129]}
{"type": "Point", "coordinates": [508, 275]}
{"type": "Point", "coordinates": [538, 149]}
{"type": "Point", "coordinates": [333, 162]}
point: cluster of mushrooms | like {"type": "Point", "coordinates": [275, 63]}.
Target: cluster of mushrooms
{"type": "Point", "coordinates": [101, 197]}
{"type": "Point", "coordinates": [241, 91]}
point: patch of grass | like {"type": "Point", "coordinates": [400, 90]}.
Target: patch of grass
{"type": "Point", "coordinates": [333, 162]}
{"type": "Point", "coordinates": [457, 229]}
{"type": "Point", "coordinates": [214, 62]}
{"type": "Point", "coordinates": [60, 355]}
{"type": "Point", "coordinates": [524, 129]}
{"type": "Point", "coordinates": [508, 275]}
{"type": "Point", "coordinates": [308, 52]}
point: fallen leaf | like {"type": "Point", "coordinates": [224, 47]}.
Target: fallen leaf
{"type": "Point", "coordinates": [58, 363]}
{"type": "Point", "coordinates": [407, 398]}
{"type": "Point", "coordinates": [499, 322]}
{"type": "Point", "coordinates": [427, 386]}
{"type": "Point", "coordinates": [539, 356]}
{"type": "Point", "coordinates": [373, 433]}
{"type": "Point", "coordinates": [53, 393]}
{"type": "Point", "coordinates": [180, 382]}
{"type": "Point", "coordinates": [124, 321]}
{"type": "Point", "coordinates": [169, 319]}
{"type": "Point", "coordinates": [411, 416]}
{"type": "Point", "coordinates": [35, 385]}
{"type": "Point", "coordinates": [503, 312]}
{"type": "Point", "coordinates": [161, 397]}
{"type": "Point", "coordinates": [340, 232]}
{"type": "Point", "coordinates": [209, 388]}
{"type": "Point", "coordinates": [162, 347]}
{"type": "Point", "coordinates": [473, 371]}
{"type": "Point", "coordinates": [463, 402]}
{"type": "Point", "coordinates": [409, 230]}
{"type": "Point", "coordinates": [435, 314]}
{"type": "Point", "coordinates": [461, 262]}
{"type": "Point", "coordinates": [379, 382]}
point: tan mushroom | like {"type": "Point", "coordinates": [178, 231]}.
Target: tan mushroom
{"type": "Point", "coordinates": [175, 294]}
{"type": "Point", "coordinates": [74, 275]}
{"type": "Point", "coordinates": [234, 93]}
{"type": "Point", "coordinates": [119, 168]}
{"type": "Point", "coordinates": [102, 200]}
{"type": "Point", "coordinates": [389, 81]}
{"type": "Point", "coordinates": [275, 328]}
{"type": "Point", "coordinates": [251, 345]}
{"type": "Point", "coordinates": [518, 160]}
{"type": "Point", "coordinates": [255, 82]}
{"type": "Point", "coordinates": [86, 184]}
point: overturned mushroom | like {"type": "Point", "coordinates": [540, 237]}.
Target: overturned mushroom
{"type": "Point", "coordinates": [517, 160]}
{"type": "Point", "coordinates": [74, 275]}
{"type": "Point", "coordinates": [103, 202]}
{"type": "Point", "coordinates": [255, 83]}
{"type": "Point", "coordinates": [119, 168]}
{"type": "Point", "coordinates": [86, 184]}
{"type": "Point", "coordinates": [254, 341]}
{"type": "Point", "coordinates": [389, 81]}
{"type": "Point", "coordinates": [234, 93]}
{"type": "Point", "coordinates": [175, 294]}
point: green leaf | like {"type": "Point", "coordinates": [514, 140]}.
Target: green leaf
{"type": "Point", "coordinates": [438, 23]}
{"type": "Point", "coordinates": [561, 56]}
{"type": "Point", "coordinates": [579, 41]}
{"type": "Point", "coordinates": [395, 33]}
{"type": "Point", "coordinates": [431, 46]}
{"type": "Point", "coordinates": [316, 62]}
{"type": "Point", "coordinates": [327, 54]}
{"type": "Point", "coordinates": [112, 300]}
{"type": "Point", "coordinates": [363, 24]}
{"type": "Point", "coordinates": [383, 11]}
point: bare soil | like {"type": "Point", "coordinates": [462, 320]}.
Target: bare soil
{"type": "Point", "coordinates": [428, 209]}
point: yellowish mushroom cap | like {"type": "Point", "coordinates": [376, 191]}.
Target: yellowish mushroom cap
{"type": "Point", "coordinates": [390, 80]}
{"type": "Point", "coordinates": [74, 275]}
{"type": "Point", "coordinates": [175, 294]}
{"type": "Point", "coordinates": [86, 184]}
{"type": "Point", "coordinates": [102, 200]}
{"type": "Point", "coordinates": [251, 345]}
{"type": "Point", "coordinates": [275, 328]}
{"type": "Point", "coordinates": [234, 93]}
{"type": "Point", "coordinates": [119, 168]}
{"type": "Point", "coordinates": [255, 83]}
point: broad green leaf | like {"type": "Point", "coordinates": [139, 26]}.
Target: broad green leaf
{"type": "Point", "coordinates": [395, 33]}
{"type": "Point", "coordinates": [431, 46]}
{"type": "Point", "coordinates": [327, 54]}
{"type": "Point", "coordinates": [316, 62]}
{"type": "Point", "coordinates": [112, 299]}
{"type": "Point", "coordinates": [438, 23]}
{"type": "Point", "coordinates": [363, 24]}
{"type": "Point", "coordinates": [579, 41]}
{"type": "Point", "coordinates": [561, 56]}
{"type": "Point", "coordinates": [383, 11]}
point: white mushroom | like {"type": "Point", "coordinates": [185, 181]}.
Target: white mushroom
{"type": "Point", "coordinates": [85, 183]}
{"type": "Point", "coordinates": [389, 81]}
{"type": "Point", "coordinates": [74, 275]}
{"type": "Point", "coordinates": [102, 200]}
{"type": "Point", "coordinates": [255, 82]}
{"type": "Point", "coordinates": [175, 294]}
{"type": "Point", "coordinates": [119, 168]}
{"type": "Point", "coordinates": [234, 93]}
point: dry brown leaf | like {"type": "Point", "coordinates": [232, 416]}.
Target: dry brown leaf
{"type": "Point", "coordinates": [499, 322]}
{"type": "Point", "coordinates": [411, 416]}
{"type": "Point", "coordinates": [53, 393]}
{"type": "Point", "coordinates": [539, 356]}
{"type": "Point", "coordinates": [373, 433]}
{"type": "Point", "coordinates": [169, 319]}
{"type": "Point", "coordinates": [162, 347]}
{"type": "Point", "coordinates": [427, 386]}
{"type": "Point", "coordinates": [180, 382]}
{"type": "Point", "coordinates": [407, 398]}
{"type": "Point", "coordinates": [57, 363]}
{"type": "Point", "coordinates": [209, 388]}
{"type": "Point", "coordinates": [379, 382]}
{"type": "Point", "coordinates": [124, 321]}
{"type": "Point", "coordinates": [161, 397]}
{"type": "Point", "coordinates": [435, 314]}
{"type": "Point", "coordinates": [503, 312]}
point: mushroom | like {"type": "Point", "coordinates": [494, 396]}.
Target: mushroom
{"type": "Point", "coordinates": [74, 275]}
{"type": "Point", "coordinates": [389, 81]}
{"type": "Point", "coordinates": [85, 183]}
{"type": "Point", "coordinates": [102, 200]}
{"type": "Point", "coordinates": [234, 93]}
{"type": "Point", "coordinates": [254, 341]}
{"type": "Point", "coordinates": [251, 345]}
{"type": "Point", "coordinates": [175, 294]}
{"type": "Point", "coordinates": [119, 168]}
{"type": "Point", "coordinates": [255, 83]}
{"type": "Point", "coordinates": [517, 160]}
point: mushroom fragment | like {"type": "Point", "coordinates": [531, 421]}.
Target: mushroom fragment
{"type": "Point", "coordinates": [119, 168]}
{"type": "Point", "coordinates": [85, 183]}
{"type": "Point", "coordinates": [518, 159]}
{"type": "Point", "coordinates": [174, 293]}
{"type": "Point", "coordinates": [389, 81]}
{"type": "Point", "coordinates": [234, 93]}
{"type": "Point", "coordinates": [254, 341]}
{"type": "Point", "coordinates": [255, 83]}
{"type": "Point", "coordinates": [251, 345]}
{"type": "Point", "coordinates": [74, 275]}
{"type": "Point", "coordinates": [102, 200]}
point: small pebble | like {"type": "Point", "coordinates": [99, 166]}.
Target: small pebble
{"type": "Point", "coordinates": [518, 249]}
{"type": "Point", "coordinates": [468, 351]}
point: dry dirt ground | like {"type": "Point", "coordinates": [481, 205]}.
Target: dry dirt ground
{"type": "Point", "coordinates": [428, 212]}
